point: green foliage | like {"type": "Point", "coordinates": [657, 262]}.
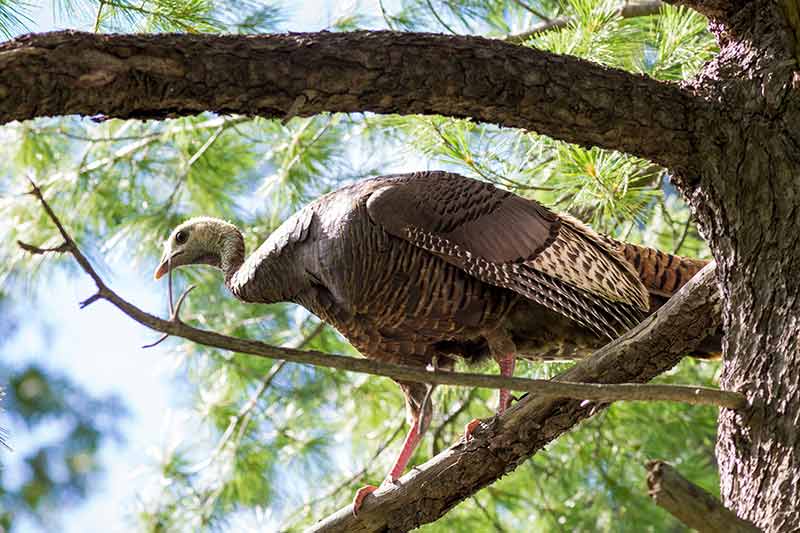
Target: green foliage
{"type": "Point", "coordinates": [191, 16]}
{"type": "Point", "coordinates": [285, 444]}
{"type": "Point", "coordinates": [14, 17]}
{"type": "Point", "coordinates": [493, 17]}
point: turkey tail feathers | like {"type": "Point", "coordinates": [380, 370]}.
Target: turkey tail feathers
{"type": "Point", "coordinates": [661, 273]}
{"type": "Point", "coordinates": [606, 318]}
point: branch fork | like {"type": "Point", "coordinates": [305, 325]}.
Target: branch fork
{"type": "Point", "coordinates": [174, 313]}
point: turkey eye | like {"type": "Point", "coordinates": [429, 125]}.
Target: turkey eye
{"type": "Point", "coordinates": [181, 237]}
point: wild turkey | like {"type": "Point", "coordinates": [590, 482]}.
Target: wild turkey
{"type": "Point", "coordinates": [435, 265]}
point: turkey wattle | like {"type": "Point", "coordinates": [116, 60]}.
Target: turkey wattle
{"type": "Point", "coordinates": [435, 265]}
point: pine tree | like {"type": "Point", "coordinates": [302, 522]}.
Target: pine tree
{"type": "Point", "coordinates": [289, 444]}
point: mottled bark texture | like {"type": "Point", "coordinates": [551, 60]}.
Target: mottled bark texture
{"type": "Point", "coordinates": [746, 195]}
{"type": "Point", "coordinates": [691, 504]}
{"type": "Point", "coordinates": [158, 76]}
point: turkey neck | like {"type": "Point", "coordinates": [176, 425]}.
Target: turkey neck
{"type": "Point", "coordinates": [231, 257]}
{"type": "Point", "coordinates": [266, 276]}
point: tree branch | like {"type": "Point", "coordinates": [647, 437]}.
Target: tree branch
{"type": "Point", "coordinates": [432, 489]}
{"type": "Point", "coordinates": [159, 76]}
{"type": "Point", "coordinates": [540, 387]}
{"type": "Point", "coordinates": [429, 491]}
{"type": "Point", "coordinates": [691, 504]}
{"type": "Point", "coordinates": [625, 11]}
{"type": "Point", "coordinates": [715, 9]}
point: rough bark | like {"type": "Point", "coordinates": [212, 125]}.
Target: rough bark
{"type": "Point", "coordinates": [432, 489]}
{"type": "Point", "coordinates": [747, 199]}
{"type": "Point", "coordinates": [158, 76]}
{"type": "Point", "coordinates": [691, 504]}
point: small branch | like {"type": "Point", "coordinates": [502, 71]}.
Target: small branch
{"type": "Point", "coordinates": [438, 18]}
{"type": "Point", "coordinates": [626, 11]}
{"type": "Point", "coordinates": [68, 245]}
{"type": "Point", "coordinates": [245, 414]}
{"type": "Point", "coordinates": [532, 11]}
{"type": "Point", "coordinates": [61, 248]}
{"type": "Point", "coordinates": [684, 234]}
{"type": "Point", "coordinates": [90, 300]}
{"type": "Point", "coordinates": [595, 392]}
{"type": "Point", "coordinates": [491, 518]}
{"type": "Point", "coordinates": [174, 311]}
{"type": "Point", "coordinates": [449, 420]}
{"type": "Point", "coordinates": [691, 504]}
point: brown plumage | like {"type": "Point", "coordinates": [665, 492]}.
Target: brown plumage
{"type": "Point", "coordinates": [435, 265]}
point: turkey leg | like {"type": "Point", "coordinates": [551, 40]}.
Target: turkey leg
{"type": "Point", "coordinates": [504, 352]}
{"type": "Point", "coordinates": [419, 410]}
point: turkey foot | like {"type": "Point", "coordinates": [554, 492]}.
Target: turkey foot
{"type": "Point", "coordinates": [362, 493]}
{"type": "Point", "coordinates": [470, 427]}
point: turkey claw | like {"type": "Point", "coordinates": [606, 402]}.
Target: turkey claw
{"type": "Point", "coordinates": [469, 428]}
{"type": "Point", "coordinates": [362, 493]}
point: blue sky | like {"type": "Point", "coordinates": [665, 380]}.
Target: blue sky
{"type": "Point", "coordinates": [100, 349]}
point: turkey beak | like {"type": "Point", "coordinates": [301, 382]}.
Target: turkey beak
{"type": "Point", "coordinates": [164, 265]}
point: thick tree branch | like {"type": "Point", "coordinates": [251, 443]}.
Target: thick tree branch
{"type": "Point", "coordinates": [431, 490]}
{"type": "Point", "coordinates": [691, 504]}
{"type": "Point", "coordinates": [159, 76]}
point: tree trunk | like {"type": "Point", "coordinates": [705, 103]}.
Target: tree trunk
{"type": "Point", "coordinates": [747, 197]}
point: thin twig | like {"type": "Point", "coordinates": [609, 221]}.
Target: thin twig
{"type": "Point", "coordinates": [684, 234]}
{"type": "Point", "coordinates": [350, 480]}
{"type": "Point", "coordinates": [61, 248]}
{"type": "Point", "coordinates": [449, 420]}
{"type": "Point", "coordinates": [434, 366]}
{"type": "Point", "coordinates": [174, 313]}
{"type": "Point", "coordinates": [179, 182]}
{"type": "Point", "coordinates": [626, 11]}
{"type": "Point", "coordinates": [148, 139]}
{"type": "Point", "coordinates": [531, 10]}
{"type": "Point", "coordinates": [438, 18]}
{"type": "Point", "coordinates": [594, 392]}
{"type": "Point", "coordinates": [495, 523]}
{"type": "Point", "coordinates": [386, 17]}
{"type": "Point", "coordinates": [99, 16]}
{"type": "Point", "coordinates": [245, 413]}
